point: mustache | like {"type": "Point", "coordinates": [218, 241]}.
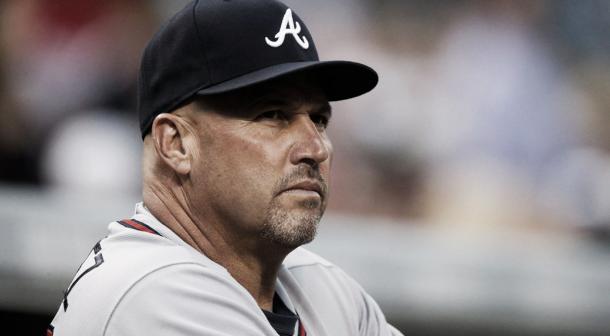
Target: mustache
{"type": "Point", "coordinates": [300, 173]}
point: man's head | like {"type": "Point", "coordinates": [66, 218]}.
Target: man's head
{"type": "Point", "coordinates": [233, 106]}
{"type": "Point", "coordinates": [258, 158]}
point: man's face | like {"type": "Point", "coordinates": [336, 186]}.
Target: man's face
{"type": "Point", "coordinates": [264, 162]}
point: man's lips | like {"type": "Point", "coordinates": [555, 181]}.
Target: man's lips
{"type": "Point", "coordinates": [307, 186]}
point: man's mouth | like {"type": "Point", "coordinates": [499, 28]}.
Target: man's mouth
{"type": "Point", "coordinates": [306, 187]}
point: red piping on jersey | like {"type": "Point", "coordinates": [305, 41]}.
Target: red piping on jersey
{"type": "Point", "coordinates": [302, 331]}
{"type": "Point", "coordinates": [137, 225]}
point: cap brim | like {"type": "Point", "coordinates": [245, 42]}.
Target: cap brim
{"type": "Point", "coordinates": [338, 79]}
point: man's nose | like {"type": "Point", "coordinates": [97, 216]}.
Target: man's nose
{"type": "Point", "coordinates": [310, 144]}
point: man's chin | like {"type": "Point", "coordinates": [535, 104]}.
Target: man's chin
{"type": "Point", "coordinates": [292, 229]}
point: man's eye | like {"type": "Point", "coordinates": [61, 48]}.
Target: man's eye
{"type": "Point", "coordinates": [320, 120]}
{"type": "Point", "coordinates": [273, 114]}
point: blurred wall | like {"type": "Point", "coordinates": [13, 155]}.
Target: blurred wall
{"type": "Point", "coordinates": [481, 161]}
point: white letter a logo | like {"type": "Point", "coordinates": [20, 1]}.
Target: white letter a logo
{"type": "Point", "coordinates": [288, 27]}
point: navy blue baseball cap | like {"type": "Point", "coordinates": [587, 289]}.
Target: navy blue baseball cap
{"type": "Point", "coordinates": [217, 46]}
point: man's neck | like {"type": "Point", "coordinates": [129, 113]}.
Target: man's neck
{"type": "Point", "coordinates": [254, 267]}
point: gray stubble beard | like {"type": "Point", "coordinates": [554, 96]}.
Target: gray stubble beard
{"type": "Point", "coordinates": [292, 228]}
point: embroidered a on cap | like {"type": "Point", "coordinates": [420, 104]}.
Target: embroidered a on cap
{"type": "Point", "coordinates": [289, 26]}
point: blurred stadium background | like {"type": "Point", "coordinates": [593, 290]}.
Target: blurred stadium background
{"type": "Point", "coordinates": [471, 189]}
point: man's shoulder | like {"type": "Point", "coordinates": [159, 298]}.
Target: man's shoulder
{"type": "Point", "coordinates": [319, 287]}
{"type": "Point", "coordinates": [126, 256]}
{"type": "Point", "coordinates": [115, 266]}
{"type": "Point", "coordinates": [131, 254]}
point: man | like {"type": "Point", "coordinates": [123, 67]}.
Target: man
{"type": "Point", "coordinates": [233, 106]}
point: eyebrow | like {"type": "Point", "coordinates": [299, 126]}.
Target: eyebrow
{"type": "Point", "coordinates": [324, 108]}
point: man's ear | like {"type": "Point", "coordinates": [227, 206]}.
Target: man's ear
{"type": "Point", "coordinates": [169, 137]}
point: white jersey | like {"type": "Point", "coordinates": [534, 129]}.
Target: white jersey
{"type": "Point", "coordinates": [142, 279]}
